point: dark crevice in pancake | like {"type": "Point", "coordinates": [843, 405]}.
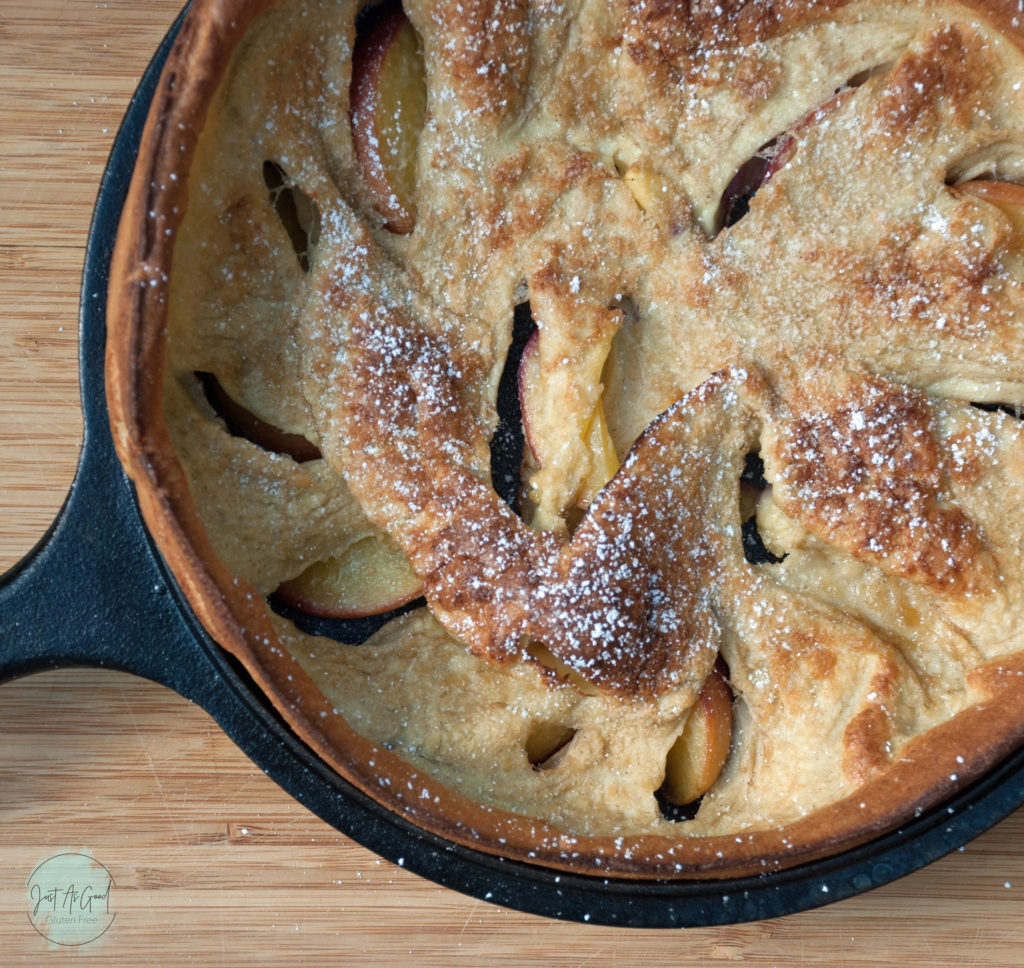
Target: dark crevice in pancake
{"type": "Point", "coordinates": [297, 211]}
{"type": "Point", "coordinates": [752, 479]}
{"type": "Point", "coordinates": [750, 177]}
{"type": "Point", "coordinates": [676, 812]}
{"type": "Point", "coordinates": [242, 422]}
{"type": "Point", "coordinates": [348, 631]}
{"type": "Point", "coordinates": [509, 439]}
{"type": "Point", "coordinates": [546, 742]}
{"type": "Point", "coordinates": [1014, 410]}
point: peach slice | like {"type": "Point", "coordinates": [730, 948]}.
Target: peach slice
{"type": "Point", "coordinates": [595, 434]}
{"type": "Point", "coordinates": [653, 192]}
{"type": "Point", "coordinates": [561, 671]}
{"type": "Point", "coordinates": [604, 460]}
{"type": "Point", "coordinates": [646, 185]}
{"type": "Point", "coordinates": [242, 422]}
{"type": "Point", "coordinates": [368, 578]}
{"type": "Point", "coordinates": [388, 110]}
{"type": "Point", "coordinates": [698, 755]}
{"type": "Point", "coordinates": [1008, 197]}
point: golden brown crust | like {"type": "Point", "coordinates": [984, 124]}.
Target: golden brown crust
{"type": "Point", "coordinates": [487, 51]}
{"type": "Point", "coordinates": [860, 467]}
{"type": "Point", "coordinates": [842, 319]}
{"type": "Point", "coordinates": [682, 34]}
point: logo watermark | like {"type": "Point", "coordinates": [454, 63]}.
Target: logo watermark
{"type": "Point", "coordinates": [69, 899]}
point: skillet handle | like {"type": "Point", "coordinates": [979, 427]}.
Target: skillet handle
{"type": "Point", "coordinates": [92, 592]}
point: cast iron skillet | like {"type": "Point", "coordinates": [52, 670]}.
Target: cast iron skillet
{"type": "Point", "coordinates": [95, 592]}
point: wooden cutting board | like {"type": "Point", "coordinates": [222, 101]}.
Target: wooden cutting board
{"type": "Point", "coordinates": [212, 863]}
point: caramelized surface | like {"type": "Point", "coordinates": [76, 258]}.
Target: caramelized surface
{"type": "Point", "coordinates": [840, 323]}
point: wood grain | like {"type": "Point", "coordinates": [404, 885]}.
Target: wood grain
{"type": "Point", "coordinates": [214, 864]}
